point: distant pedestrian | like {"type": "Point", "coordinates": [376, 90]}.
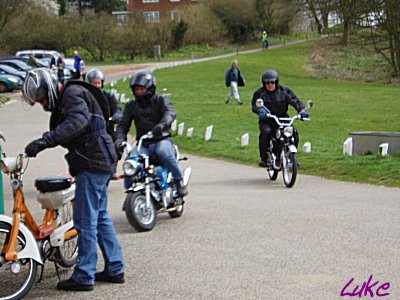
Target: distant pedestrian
{"type": "Point", "coordinates": [234, 79]}
{"type": "Point", "coordinates": [60, 68]}
{"type": "Point", "coordinates": [77, 66]}
{"type": "Point", "coordinates": [32, 61]}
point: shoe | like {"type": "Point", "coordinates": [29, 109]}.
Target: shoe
{"type": "Point", "coordinates": [262, 164]}
{"type": "Point", "coordinates": [240, 102]}
{"type": "Point", "coordinates": [103, 277]}
{"type": "Point", "coordinates": [72, 285]}
{"type": "Point", "coordinates": [181, 188]}
{"type": "Point", "coordinates": [227, 101]}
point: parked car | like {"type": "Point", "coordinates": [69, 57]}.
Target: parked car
{"type": "Point", "coordinates": [8, 83]}
{"type": "Point", "coordinates": [7, 70]}
{"type": "Point", "coordinates": [39, 62]}
{"type": "Point", "coordinates": [43, 55]}
{"type": "Point", "coordinates": [16, 64]}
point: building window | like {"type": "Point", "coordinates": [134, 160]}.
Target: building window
{"type": "Point", "coordinates": [175, 16]}
{"type": "Point", "coordinates": [149, 1]}
{"type": "Point", "coordinates": [152, 16]}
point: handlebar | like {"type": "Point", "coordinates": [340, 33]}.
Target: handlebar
{"type": "Point", "coordinates": [286, 121]}
{"type": "Point", "coordinates": [129, 147]}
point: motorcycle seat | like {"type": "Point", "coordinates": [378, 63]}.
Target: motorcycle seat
{"type": "Point", "coordinates": [53, 183]}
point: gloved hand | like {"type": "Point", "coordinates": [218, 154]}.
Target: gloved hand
{"type": "Point", "coordinates": [262, 114]}
{"type": "Point", "coordinates": [119, 148]}
{"type": "Point", "coordinates": [116, 117]}
{"type": "Point", "coordinates": [34, 147]}
{"type": "Point", "coordinates": [158, 129]}
{"type": "Point", "coordinates": [304, 114]}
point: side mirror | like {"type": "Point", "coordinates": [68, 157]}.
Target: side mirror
{"type": "Point", "coordinates": [259, 103]}
{"type": "Point", "coordinates": [309, 103]}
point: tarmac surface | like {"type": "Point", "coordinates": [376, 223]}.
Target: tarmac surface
{"type": "Point", "coordinates": [241, 235]}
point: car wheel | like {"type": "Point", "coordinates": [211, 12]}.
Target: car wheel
{"type": "Point", "coordinates": [3, 87]}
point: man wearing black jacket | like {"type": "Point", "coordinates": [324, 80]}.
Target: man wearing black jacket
{"type": "Point", "coordinates": [77, 123]}
{"type": "Point", "coordinates": [151, 112]}
{"type": "Point", "coordinates": [277, 99]}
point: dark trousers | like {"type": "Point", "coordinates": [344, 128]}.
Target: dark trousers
{"type": "Point", "coordinates": [267, 131]}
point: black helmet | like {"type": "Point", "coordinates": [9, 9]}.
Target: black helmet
{"type": "Point", "coordinates": [146, 79]}
{"type": "Point", "coordinates": [270, 75]}
{"type": "Point", "coordinates": [40, 83]}
{"type": "Point", "coordinates": [95, 74]}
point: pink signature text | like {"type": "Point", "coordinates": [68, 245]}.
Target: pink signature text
{"type": "Point", "coordinates": [369, 288]}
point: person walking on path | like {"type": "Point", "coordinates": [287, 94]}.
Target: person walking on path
{"type": "Point", "coordinates": [234, 79]}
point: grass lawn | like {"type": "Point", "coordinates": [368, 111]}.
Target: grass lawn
{"type": "Point", "coordinates": [198, 93]}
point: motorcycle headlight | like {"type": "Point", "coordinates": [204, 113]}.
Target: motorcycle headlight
{"type": "Point", "coordinates": [288, 131]}
{"type": "Point", "coordinates": [130, 167]}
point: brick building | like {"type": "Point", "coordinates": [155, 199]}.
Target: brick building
{"type": "Point", "coordinates": [156, 10]}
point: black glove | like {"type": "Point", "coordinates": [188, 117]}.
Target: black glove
{"type": "Point", "coordinates": [119, 148]}
{"type": "Point", "coordinates": [34, 147]}
{"type": "Point", "coordinates": [116, 117]}
{"type": "Point", "coordinates": [158, 129]}
{"type": "Point", "coordinates": [304, 114]}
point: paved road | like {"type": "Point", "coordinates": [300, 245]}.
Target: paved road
{"type": "Point", "coordinates": [240, 237]}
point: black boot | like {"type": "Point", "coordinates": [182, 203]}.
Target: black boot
{"type": "Point", "coordinates": [181, 188]}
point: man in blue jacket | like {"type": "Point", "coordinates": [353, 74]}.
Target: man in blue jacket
{"type": "Point", "coordinates": [77, 123]}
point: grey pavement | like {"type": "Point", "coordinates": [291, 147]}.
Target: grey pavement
{"type": "Point", "coordinates": [241, 236]}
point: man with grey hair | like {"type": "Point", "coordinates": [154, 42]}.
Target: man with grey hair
{"type": "Point", "coordinates": [234, 79]}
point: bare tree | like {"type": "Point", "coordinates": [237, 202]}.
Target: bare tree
{"type": "Point", "coordinates": [382, 18]}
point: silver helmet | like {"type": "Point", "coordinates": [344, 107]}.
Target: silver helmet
{"type": "Point", "coordinates": [40, 83]}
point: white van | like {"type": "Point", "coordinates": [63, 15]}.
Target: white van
{"type": "Point", "coordinates": [43, 55]}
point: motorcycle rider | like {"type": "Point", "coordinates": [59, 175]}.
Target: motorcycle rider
{"type": "Point", "coordinates": [77, 123]}
{"type": "Point", "coordinates": [277, 99]}
{"type": "Point", "coordinates": [151, 112]}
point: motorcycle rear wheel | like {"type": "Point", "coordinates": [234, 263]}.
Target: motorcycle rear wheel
{"type": "Point", "coordinates": [140, 217]}
{"type": "Point", "coordinates": [15, 286]}
{"type": "Point", "coordinates": [178, 211]}
{"type": "Point", "coordinates": [67, 253]}
{"type": "Point", "coordinates": [289, 170]}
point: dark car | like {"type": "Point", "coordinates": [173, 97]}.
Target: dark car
{"type": "Point", "coordinates": [39, 63]}
{"type": "Point", "coordinates": [8, 83]}
{"type": "Point", "coordinates": [16, 64]}
{"type": "Point", "coordinates": [7, 70]}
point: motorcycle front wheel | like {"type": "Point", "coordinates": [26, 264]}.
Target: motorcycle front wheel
{"type": "Point", "coordinates": [16, 277]}
{"type": "Point", "coordinates": [289, 170]}
{"type": "Point", "coordinates": [141, 217]}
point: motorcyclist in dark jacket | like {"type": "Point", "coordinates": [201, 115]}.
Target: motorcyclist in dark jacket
{"type": "Point", "coordinates": [151, 112]}
{"type": "Point", "coordinates": [77, 122]}
{"type": "Point", "coordinates": [277, 99]}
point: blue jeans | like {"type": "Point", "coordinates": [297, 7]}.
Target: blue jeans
{"type": "Point", "coordinates": [165, 152]}
{"type": "Point", "coordinates": [95, 227]}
